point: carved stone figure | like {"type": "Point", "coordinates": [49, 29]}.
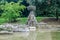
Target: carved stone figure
{"type": "Point", "coordinates": [31, 18]}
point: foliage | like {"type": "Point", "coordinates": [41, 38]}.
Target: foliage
{"type": "Point", "coordinates": [3, 20]}
{"type": "Point", "coordinates": [12, 10]}
{"type": "Point", "coordinates": [47, 7]}
{"type": "Point", "coordinates": [25, 12]}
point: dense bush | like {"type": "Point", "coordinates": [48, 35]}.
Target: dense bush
{"type": "Point", "coordinates": [50, 8]}
{"type": "Point", "coordinates": [12, 10]}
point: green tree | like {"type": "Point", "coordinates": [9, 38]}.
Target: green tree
{"type": "Point", "coordinates": [12, 10]}
{"type": "Point", "coordinates": [48, 7]}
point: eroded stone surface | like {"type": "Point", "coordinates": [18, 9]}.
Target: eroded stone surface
{"type": "Point", "coordinates": [31, 18]}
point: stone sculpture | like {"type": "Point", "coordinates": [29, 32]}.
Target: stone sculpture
{"type": "Point", "coordinates": [31, 18]}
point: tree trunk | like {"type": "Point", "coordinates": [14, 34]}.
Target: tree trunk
{"type": "Point", "coordinates": [57, 16]}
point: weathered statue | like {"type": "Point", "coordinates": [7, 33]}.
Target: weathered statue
{"type": "Point", "coordinates": [31, 18]}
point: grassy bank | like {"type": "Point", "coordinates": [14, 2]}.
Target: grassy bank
{"type": "Point", "coordinates": [24, 20]}
{"type": "Point", "coordinates": [20, 20]}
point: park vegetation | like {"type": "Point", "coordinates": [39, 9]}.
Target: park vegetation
{"type": "Point", "coordinates": [49, 8]}
{"type": "Point", "coordinates": [11, 10]}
